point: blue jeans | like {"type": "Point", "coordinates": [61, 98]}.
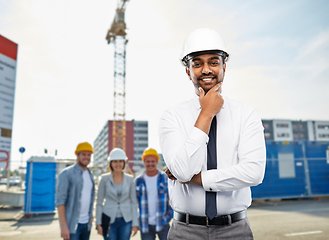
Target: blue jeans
{"type": "Point", "coordinates": [150, 235]}
{"type": "Point", "coordinates": [82, 232]}
{"type": "Point", "coordinates": [119, 230]}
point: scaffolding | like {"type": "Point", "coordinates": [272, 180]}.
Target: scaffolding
{"type": "Point", "coordinates": [117, 35]}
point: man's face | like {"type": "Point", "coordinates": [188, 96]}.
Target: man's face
{"type": "Point", "coordinates": [206, 71]}
{"type": "Point", "coordinates": [83, 158]}
{"type": "Point", "coordinates": [150, 164]}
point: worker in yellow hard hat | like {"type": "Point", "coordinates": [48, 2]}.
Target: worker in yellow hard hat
{"type": "Point", "coordinates": [83, 153]}
{"type": "Point", "coordinates": [214, 148]}
{"type": "Point", "coordinates": [155, 212]}
{"type": "Point", "coordinates": [75, 194]}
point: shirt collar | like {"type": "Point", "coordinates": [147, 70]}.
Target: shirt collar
{"type": "Point", "coordinates": [144, 174]}
{"type": "Point", "coordinates": [76, 166]}
{"type": "Point", "coordinates": [196, 102]}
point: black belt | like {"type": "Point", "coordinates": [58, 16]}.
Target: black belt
{"type": "Point", "coordinates": [218, 220]}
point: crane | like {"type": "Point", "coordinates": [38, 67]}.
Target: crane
{"type": "Point", "coordinates": [117, 35]}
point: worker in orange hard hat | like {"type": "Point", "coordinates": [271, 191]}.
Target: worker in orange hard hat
{"type": "Point", "coordinates": [75, 194]}
{"type": "Point", "coordinates": [155, 212]}
{"type": "Point", "coordinates": [214, 148]}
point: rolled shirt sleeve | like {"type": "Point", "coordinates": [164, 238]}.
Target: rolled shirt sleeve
{"type": "Point", "coordinates": [62, 188]}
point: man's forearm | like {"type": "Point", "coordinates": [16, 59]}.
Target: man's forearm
{"type": "Point", "coordinates": [203, 122]}
{"type": "Point", "coordinates": [196, 179]}
{"type": "Point", "coordinates": [61, 216]}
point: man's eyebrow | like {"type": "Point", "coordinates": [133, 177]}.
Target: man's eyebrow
{"type": "Point", "coordinates": [196, 59]}
{"type": "Point", "coordinates": [199, 59]}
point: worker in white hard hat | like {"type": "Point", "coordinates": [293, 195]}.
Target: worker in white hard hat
{"type": "Point", "coordinates": [117, 217]}
{"type": "Point", "coordinates": [213, 147]}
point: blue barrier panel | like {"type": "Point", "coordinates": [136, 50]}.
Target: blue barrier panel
{"type": "Point", "coordinates": [307, 173]}
{"type": "Point", "coordinates": [276, 185]}
{"type": "Point", "coordinates": [318, 167]}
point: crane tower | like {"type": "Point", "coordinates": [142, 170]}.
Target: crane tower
{"type": "Point", "coordinates": [117, 35]}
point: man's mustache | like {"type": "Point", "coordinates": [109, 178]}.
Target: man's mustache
{"type": "Point", "coordinates": [207, 75]}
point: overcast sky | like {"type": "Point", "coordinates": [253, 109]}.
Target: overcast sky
{"type": "Point", "coordinates": [64, 84]}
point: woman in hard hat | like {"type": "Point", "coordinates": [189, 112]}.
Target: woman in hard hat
{"type": "Point", "coordinates": [116, 218]}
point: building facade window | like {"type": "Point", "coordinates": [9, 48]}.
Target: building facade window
{"type": "Point", "coordinates": [282, 125]}
{"type": "Point", "coordinates": [267, 135]}
{"type": "Point", "coordinates": [281, 135]}
{"type": "Point", "coordinates": [141, 138]}
{"type": "Point", "coordinates": [141, 131]}
{"type": "Point", "coordinates": [139, 152]}
{"type": "Point", "coordinates": [323, 135]}
{"type": "Point", "coordinates": [144, 125]}
{"type": "Point", "coordinates": [266, 125]}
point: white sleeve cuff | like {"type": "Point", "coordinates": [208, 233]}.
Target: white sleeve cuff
{"type": "Point", "coordinates": [198, 136]}
{"type": "Point", "coordinates": [209, 180]}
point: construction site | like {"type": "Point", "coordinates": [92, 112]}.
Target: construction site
{"type": "Point", "coordinates": [293, 197]}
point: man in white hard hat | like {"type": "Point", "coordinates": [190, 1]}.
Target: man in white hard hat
{"type": "Point", "coordinates": [214, 149]}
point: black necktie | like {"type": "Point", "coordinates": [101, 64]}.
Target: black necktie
{"type": "Point", "coordinates": [211, 208]}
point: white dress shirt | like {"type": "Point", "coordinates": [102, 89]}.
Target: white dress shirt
{"type": "Point", "coordinates": [241, 156]}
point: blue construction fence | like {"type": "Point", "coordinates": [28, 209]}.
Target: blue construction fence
{"type": "Point", "coordinates": [293, 170]}
{"type": "Point", "coordinates": [297, 169]}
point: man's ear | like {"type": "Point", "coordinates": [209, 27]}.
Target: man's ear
{"type": "Point", "coordinates": [224, 69]}
{"type": "Point", "coordinates": [188, 72]}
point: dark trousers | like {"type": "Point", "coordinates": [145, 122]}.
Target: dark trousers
{"type": "Point", "coordinates": [82, 232]}
{"type": "Point", "coordinates": [150, 235]}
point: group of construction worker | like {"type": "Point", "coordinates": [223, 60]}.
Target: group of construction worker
{"type": "Point", "coordinates": [124, 204]}
{"type": "Point", "coordinates": [214, 151]}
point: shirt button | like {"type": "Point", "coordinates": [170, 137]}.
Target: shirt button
{"type": "Point", "coordinates": [210, 189]}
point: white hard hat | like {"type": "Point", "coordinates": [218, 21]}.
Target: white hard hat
{"type": "Point", "coordinates": [203, 41]}
{"type": "Point", "coordinates": [117, 154]}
